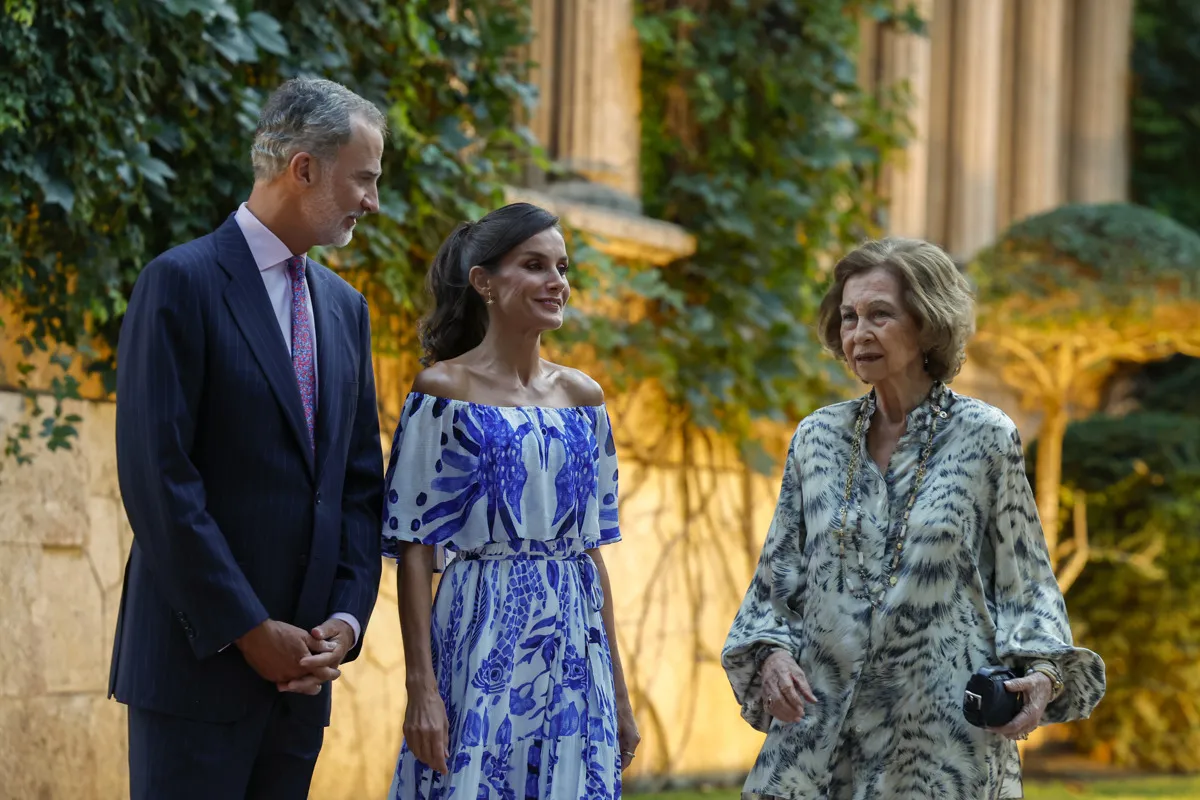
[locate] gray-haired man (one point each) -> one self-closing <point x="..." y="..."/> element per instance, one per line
<point x="250" y="465"/>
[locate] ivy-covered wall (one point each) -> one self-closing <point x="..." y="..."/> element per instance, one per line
<point x="124" y="129"/>
<point x="758" y="138"/>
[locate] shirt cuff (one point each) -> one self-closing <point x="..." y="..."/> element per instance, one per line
<point x="352" y="622"/>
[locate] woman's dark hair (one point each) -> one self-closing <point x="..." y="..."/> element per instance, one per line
<point x="459" y="318"/>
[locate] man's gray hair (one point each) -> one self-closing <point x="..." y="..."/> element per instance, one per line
<point x="307" y="115"/>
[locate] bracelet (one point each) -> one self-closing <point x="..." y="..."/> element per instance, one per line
<point x="1048" y="669"/>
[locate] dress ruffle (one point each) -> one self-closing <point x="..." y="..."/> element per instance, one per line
<point x="463" y="475"/>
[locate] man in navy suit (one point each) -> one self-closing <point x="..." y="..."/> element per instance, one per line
<point x="250" y="464"/>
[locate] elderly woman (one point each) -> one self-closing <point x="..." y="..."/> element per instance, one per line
<point x="905" y="554"/>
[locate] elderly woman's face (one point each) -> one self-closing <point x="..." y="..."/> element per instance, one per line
<point x="880" y="338"/>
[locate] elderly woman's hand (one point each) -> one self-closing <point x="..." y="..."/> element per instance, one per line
<point x="1038" y="690"/>
<point x="785" y="688"/>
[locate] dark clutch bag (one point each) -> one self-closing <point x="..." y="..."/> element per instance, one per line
<point x="986" y="703"/>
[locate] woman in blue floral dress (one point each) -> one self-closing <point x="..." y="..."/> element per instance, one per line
<point x="503" y="475"/>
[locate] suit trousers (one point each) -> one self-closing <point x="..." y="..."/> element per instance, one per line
<point x="266" y="755"/>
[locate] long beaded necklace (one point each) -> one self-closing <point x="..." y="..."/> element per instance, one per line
<point x="889" y="576"/>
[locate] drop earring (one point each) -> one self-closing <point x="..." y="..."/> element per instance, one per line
<point x="491" y="301"/>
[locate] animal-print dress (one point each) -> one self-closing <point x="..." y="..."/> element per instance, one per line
<point x="973" y="587"/>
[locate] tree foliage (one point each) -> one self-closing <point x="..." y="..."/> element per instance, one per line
<point x="125" y="128"/>
<point x="1171" y="386"/>
<point x="1081" y="261"/>
<point x="1165" y="109"/>
<point x="1141" y="476"/>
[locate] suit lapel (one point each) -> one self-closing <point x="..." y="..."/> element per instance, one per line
<point x="327" y="320"/>
<point x="247" y="299"/>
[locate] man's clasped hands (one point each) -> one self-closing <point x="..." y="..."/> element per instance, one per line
<point x="296" y="660"/>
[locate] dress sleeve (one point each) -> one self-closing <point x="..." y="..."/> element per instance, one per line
<point x="1031" y="615"/>
<point x="406" y="497"/>
<point x="606" y="479"/>
<point x="763" y="623"/>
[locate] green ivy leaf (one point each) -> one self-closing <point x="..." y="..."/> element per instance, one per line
<point x="234" y="45"/>
<point x="59" y="193"/>
<point x="155" y="171"/>
<point x="266" y="32"/>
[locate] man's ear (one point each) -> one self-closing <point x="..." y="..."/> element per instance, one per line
<point x="303" y="169"/>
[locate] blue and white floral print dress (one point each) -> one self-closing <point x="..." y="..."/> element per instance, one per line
<point x="512" y="497"/>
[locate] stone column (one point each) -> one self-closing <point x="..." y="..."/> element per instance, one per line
<point x="598" y="96"/>
<point x="1008" y="82"/>
<point x="941" y="38"/>
<point x="908" y="58"/>
<point x="543" y="52"/>
<point x="1067" y="112"/>
<point x="975" y="125"/>
<point x="868" y="53"/>
<point x="1037" y="107"/>
<point x="1100" y="121"/>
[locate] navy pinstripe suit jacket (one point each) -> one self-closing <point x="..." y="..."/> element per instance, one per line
<point x="234" y="518"/>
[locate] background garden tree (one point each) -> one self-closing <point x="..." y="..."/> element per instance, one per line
<point x="1141" y="475"/>
<point x="1064" y="297"/>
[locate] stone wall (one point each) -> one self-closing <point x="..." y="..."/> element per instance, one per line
<point x="678" y="577"/>
<point x="63" y="543"/>
<point x="692" y="517"/>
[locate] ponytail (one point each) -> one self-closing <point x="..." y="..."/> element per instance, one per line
<point x="459" y="319"/>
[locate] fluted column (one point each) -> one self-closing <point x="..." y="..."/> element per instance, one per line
<point x="1100" y="121"/>
<point x="941" y="36"/>
<point x="542" y="51"/>
<point x="1037" y="107"/>
<point x="975" y="125"/>
<point x="1008" y="81"/>
<point x="544" y="55"/>
<point x="907" y="58"/>
<point x="599" y="92"/>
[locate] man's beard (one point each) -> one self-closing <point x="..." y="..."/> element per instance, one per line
<point x="328" y="221"/>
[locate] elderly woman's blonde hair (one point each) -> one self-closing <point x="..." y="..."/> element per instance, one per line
<point x="933" y="289"/>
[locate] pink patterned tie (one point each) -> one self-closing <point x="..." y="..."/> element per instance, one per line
<point x="302" y="344"/>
